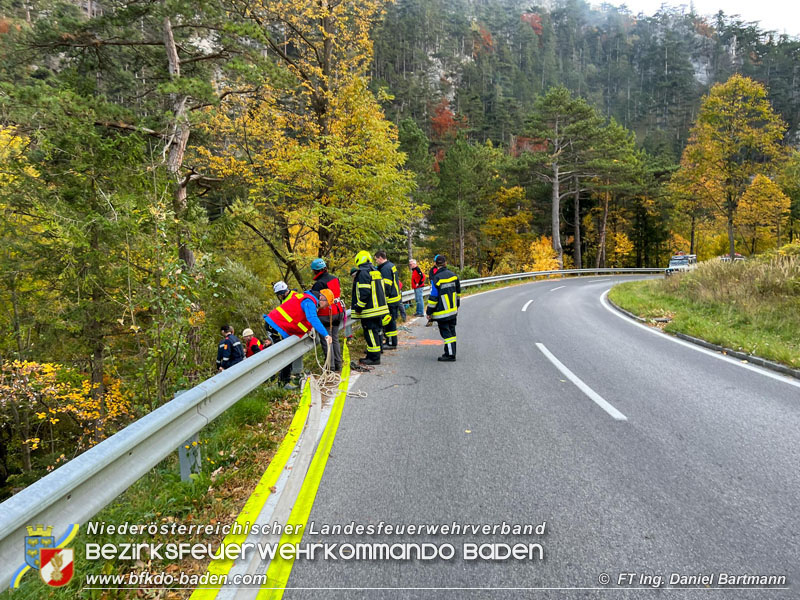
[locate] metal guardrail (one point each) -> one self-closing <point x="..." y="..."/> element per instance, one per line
<point x="78" y="490"/>
<point x="409" y="295"/>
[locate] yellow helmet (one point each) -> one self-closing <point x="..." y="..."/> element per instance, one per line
<point x="363" y="257"/>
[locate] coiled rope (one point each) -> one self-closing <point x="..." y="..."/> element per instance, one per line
<point x="328" y="380"/>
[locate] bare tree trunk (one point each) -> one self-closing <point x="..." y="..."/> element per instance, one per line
<point x="731" y="241"/>
<point x="577" y="239"/>
<point x="94" y="335"/>
<point x="409" y="240"/>
<point x="177" y="147"/>
<point x="12" y="284"/>
<point x="322" y="109"/>
<point x="555" y="217"/>
<point x="179" y="139"/>
<point x="691" y="240"/>
<point x="23" y="427"/>
<point x="460" y="237"/>
<point x="601" y="250"/>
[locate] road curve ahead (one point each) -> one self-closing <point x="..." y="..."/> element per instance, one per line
<point x="643" y="457"/>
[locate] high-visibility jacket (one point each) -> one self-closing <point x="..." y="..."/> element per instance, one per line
<point x="253" y="347"/>
<point x="391" y="286"/>
<point x="290" y="316"/>
<point x="445" y="296"/>
<point x="369" y="299"/>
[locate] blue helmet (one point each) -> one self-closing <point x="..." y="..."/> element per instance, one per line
<point x="318" y="264"/>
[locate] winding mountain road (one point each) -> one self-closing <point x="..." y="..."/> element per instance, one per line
<point x="642" y="454"/>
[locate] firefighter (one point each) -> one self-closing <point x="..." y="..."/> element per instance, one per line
<point x="296" y="315"/>
<point x="391" y="287"/>
<point x="229" y="351"/>
<point x="333" y="315"/>
<point x="443" y="303"/>
<point x="369" y="305"/>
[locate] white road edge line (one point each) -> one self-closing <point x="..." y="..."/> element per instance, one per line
<point x="665" y="336"/>
<point x="598" y="399"/>
<point x="527" y="304"/>
<point x="558" y="288"/>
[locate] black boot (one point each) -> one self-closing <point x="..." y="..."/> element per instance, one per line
<point x="447" y="357"/>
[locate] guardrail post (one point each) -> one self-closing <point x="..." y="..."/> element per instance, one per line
<point x="189" y="453"/>
<point x="297" y="366"/>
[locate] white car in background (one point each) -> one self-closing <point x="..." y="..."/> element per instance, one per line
<point x="680" y="263"/>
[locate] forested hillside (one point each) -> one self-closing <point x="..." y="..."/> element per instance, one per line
<point x="163" y="163"/>
<point x="492" y="58"/>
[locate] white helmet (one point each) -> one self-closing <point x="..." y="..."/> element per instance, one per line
<point x="280" y="287"/>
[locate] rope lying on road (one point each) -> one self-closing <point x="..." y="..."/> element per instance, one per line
<point x="329" y="380"/>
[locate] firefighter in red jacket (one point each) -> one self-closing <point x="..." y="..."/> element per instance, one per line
<point x="332" y="316"/>
<point x="296" y="315"/>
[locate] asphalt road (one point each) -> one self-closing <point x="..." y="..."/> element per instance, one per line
<point x="692" y="467"/>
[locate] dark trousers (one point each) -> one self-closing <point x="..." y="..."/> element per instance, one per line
<point x="285" y="375"/>
<point x="336" y="349"/>
<point x="447" y="329"/>
<point x="372" y="335"/>
<point x="390" y="331"/>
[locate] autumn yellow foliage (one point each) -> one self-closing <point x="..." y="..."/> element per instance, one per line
<point x="54" y="410"/>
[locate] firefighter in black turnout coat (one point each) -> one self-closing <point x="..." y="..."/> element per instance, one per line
<point x="369" y="305"/>
<point x="391" y="288"/>
<point x="443" y="303"/>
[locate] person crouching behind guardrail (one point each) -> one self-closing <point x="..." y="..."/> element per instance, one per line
<point x="252" y="345"/>
<point x="443" y="303"/>
<point x="296" y="315"/>
<point x="229" y="351"/>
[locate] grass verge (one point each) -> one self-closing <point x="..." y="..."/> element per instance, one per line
<point x="236" y="449"/>
<point x="753" y="307"/>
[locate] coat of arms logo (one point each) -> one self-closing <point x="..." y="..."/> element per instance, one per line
<point x="38" y="537"/>
<point x="48" y="555"/>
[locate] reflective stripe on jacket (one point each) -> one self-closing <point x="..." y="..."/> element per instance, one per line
<point x="290" y="317"/>
<point x="229" y="352"/>
<point x="369" y="299"/>
<point x="390" y="284"/>
<point x="445" y="296"/>
<point x="253" y="347"/>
